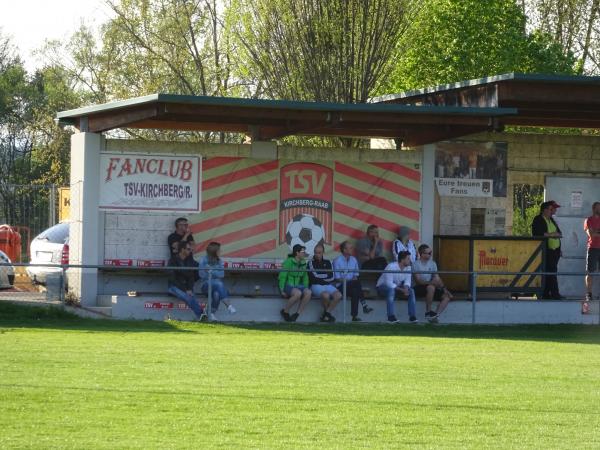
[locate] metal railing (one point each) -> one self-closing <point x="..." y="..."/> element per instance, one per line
<point x="473" y="277"/>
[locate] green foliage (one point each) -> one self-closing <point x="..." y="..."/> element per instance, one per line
<point x="526" y="201"/>
<point x="32" y="148"/>
<point x="542" y="54"/>
<point x="335" y="51"/>
<point x="154" y="46"/>
<point x="572" y="26"/>
<point x="15" y="90"/>
<point x="81" y="383"/>
<point x="150" y="46"/>
<point x="17" y="97"/>
<point x="454" y="40"/>
<point x="51" y="150"/>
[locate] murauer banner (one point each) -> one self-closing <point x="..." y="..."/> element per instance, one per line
<point x="150" y="182"/>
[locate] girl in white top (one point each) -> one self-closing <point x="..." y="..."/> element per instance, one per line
<point x="404" y="244"/>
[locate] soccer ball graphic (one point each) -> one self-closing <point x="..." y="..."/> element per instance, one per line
<point x="305" y="230"/>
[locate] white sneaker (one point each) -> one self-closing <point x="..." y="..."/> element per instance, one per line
<point x="231" y="309"/>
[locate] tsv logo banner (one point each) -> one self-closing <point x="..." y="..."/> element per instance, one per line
<point x="305" y="204"/>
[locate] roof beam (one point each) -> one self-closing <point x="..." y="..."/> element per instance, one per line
<point x="121" y="119"/>
<point x="540" y="93"/>
<point x="188" y="126"/>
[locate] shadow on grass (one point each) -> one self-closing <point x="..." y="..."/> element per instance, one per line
<point x="51" y="317"/>
<point x="567" y="333"/>
<point x="20" y="316"/>
<point x="269" y="399"/>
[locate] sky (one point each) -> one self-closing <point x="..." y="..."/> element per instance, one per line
<point x="30" y="22"/>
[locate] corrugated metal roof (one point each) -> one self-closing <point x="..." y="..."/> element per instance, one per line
<point x="538" y="78"/>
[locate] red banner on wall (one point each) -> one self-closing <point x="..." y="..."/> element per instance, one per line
<point x="306" y="194"/>
<point x="258" y="209"/>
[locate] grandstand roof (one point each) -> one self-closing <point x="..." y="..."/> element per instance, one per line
<point x="271" y="119"/>
<point x="415" y="117"/>
<point x="541" y="100"/>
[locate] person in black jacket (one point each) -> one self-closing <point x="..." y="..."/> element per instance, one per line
<point x="544" y="225"/>
<point x="182" y="279"/>
<point x="182" y="233"/>
<point x="321" y="279"/>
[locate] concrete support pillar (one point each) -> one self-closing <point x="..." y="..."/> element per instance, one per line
<point x="85" y="230"/>
<point x="427" y="194"/>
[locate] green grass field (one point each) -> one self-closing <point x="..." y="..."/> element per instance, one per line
<point x="76" y="383"/>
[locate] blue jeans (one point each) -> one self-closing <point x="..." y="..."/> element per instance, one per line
<point x="189" y="300"/>
<point x="390" y="295"/>
<point x="219" y="292"/>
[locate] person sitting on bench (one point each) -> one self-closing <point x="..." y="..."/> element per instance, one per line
<point x="321" y="283"/>
<point x="346" y="267"/>
<point x="293" y="283"/>
<point x="404" y="244"/>
<point x="394" y="281"/>
<point x="182" y="233"/>
<point x="369" y="250"/>
<point x="182" y="279"/>
<point x="213" y="264"/>
<point x="430" y="285"/>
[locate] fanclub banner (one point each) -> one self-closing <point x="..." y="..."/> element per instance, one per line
<point x="150" y="182"/>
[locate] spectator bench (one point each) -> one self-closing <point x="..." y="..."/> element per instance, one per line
<point x="263" y="304"/>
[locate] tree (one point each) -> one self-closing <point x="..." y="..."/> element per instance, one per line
<point x="15" y="114"/>
<point x="33" y="150"/>
<point x="152" y="46"/>
<point x="337" y="51"/>
<point x="50" y="144"/>
<point x="573" y="25"/>
<point x="527" y="199"/>
<point x="453" y="40"/>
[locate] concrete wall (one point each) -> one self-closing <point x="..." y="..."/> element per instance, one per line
<point x="143" y="234"/>
<point x="97" y="236"/>
<point x="140" y="234"/>
<point x="501" y="312"/>
<point x="282" y="152"/>
<point x="531" y="157"/>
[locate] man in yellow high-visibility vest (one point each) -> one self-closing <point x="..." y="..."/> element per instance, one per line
<point x="544" y="225"/>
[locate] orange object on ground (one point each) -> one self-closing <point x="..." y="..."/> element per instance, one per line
<point x="10" y="242"/>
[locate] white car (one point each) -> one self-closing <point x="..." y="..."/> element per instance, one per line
<point x="49" y="247"/>
<point x="7" y="273"/>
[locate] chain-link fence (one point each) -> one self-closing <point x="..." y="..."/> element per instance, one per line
<point x="29" y="210"/>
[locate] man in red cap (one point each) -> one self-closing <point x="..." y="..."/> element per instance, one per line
<point x="544" y="225"/>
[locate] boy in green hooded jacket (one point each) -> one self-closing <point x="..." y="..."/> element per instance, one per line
<point x="294" y="285"/>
